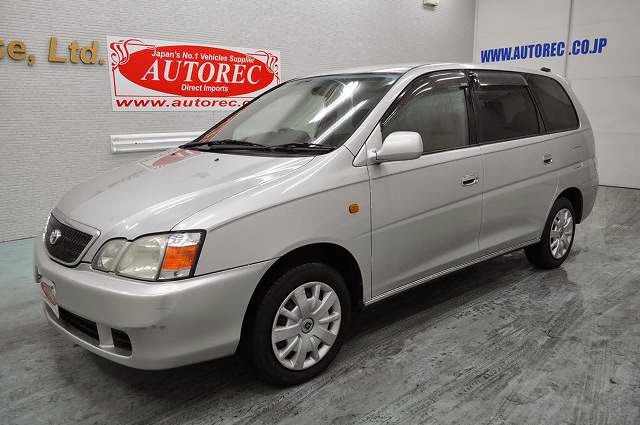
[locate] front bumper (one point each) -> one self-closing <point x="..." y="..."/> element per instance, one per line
<point x="169" y="324"/>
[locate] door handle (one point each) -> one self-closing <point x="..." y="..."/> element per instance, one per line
<point x="547" y="158"/>
<point x="469" y="180"/>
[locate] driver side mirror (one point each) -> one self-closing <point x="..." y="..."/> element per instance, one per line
<point x="400" y="146"/>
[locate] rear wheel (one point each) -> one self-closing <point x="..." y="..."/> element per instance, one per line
<point x="300" y="324"/>
<point x="557" y="237"/>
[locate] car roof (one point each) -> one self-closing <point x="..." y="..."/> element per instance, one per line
<point x="392" y="68"/>
<point x="402" y="68"/>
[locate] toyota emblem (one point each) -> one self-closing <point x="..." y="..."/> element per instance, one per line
<point x="54" y="236"/>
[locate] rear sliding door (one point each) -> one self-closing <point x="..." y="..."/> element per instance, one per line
<point x="519" y="178"/>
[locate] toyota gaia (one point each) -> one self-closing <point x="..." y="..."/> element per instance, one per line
<point x="326" y="194"/>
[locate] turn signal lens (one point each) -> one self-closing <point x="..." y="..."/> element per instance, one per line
<point x="180" y="255"/>
<point x="178" y="258"/>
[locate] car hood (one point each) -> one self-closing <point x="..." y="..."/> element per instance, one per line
<point x="154" y="194"/>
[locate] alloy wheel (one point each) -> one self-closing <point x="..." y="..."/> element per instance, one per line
<point x="561" y="233"/>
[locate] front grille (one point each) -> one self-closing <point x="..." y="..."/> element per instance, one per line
<point x="85" y="326"/>
<point x="70" y="244"/>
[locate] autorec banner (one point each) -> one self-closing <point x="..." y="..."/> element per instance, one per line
<point x="155" y="75"/>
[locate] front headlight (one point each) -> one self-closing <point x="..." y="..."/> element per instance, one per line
<point x="143" y="258"/>
<point x="106" y="258"/>
<point x="155" y="257"/>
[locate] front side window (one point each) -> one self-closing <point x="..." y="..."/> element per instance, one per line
<point x="504" y="112"/>
<point x="556" y="107"/>
<point x="436" y="108"/>
<point x="308" y="115"/>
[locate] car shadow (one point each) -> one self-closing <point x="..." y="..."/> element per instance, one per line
<point x="230" y="378"/>
<point x="462" y="286"/>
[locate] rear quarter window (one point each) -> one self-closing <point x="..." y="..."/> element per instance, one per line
<point x="558" y="112"/>
<point x="504" y="112"/>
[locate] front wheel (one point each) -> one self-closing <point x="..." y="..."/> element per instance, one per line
<point x="300" y="324"/>
<point x="557" y="237"/>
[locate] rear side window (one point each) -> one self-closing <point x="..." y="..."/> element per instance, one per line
<point x="435" y="107"/>
<point x="557" y="110"/>
<point x="504" y="112"/>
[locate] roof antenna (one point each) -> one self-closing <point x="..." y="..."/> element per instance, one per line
<point x="545" y="69"/>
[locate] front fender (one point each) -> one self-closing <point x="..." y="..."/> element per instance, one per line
<point x="309" y="207"/>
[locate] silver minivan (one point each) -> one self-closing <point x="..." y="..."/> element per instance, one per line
<point x="323" y="195"/>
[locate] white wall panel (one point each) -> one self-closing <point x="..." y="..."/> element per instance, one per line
<point x="612" y="104"/>
<point x="609" y="85"/>
<point x="611" y="13"/>
<point x="614" y="167"/>
<point x="620" y="58"/>
<point x="496" y="40"/>
<point x="57" y="118"/>
<point x="502" y="23"/>
<point x="509" y="17"/>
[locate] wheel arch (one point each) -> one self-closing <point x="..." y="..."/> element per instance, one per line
<point x="574" y="195"/>
<point x="331" y="254"/>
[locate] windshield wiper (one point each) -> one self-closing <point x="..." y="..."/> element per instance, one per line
<point x="231" y="144"/>
<point x="228" y="144"/>
<point x="304" y="146"/>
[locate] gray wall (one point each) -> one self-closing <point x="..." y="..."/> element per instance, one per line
<point x="56" y="118"/>
<point x="608" y="85"/>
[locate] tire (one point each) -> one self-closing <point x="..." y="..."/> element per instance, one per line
<point x="315" y="332"/>
<point x="549" y="254"/>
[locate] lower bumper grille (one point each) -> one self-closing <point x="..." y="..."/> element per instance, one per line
<point x="87" y="327"/>
<point x="121" y="339"/>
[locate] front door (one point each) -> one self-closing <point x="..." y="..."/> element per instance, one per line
<point x="426" y="213"/>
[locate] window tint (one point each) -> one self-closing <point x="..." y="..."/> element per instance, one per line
<point x="504" y="112"/>
<point x="557" y="110"/>
<point x="436" y="108"/>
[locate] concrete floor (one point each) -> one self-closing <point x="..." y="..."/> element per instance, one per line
<point x="499" y="343"/>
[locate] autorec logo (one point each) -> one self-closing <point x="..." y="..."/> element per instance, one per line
<point x="154" y="75"/>
<point x="594" y="46"/>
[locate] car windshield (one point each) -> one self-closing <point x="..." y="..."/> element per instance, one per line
<point x="312" y="114"/>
